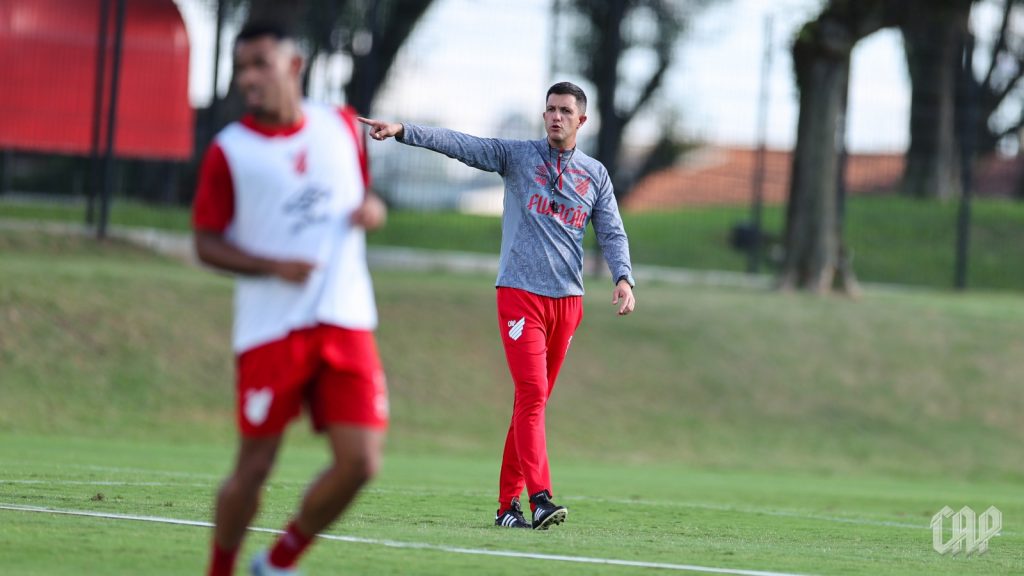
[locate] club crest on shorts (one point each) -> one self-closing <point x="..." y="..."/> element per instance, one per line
<point x="257" y="405"/>
<point x="515" y="328"/>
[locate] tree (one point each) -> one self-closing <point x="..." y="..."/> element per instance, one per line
<point x="816" y="257"/>
<point x="935" y="33"/>
<point x="369" y="31"/>
<point x="612" y="30"/>
<point x="933" y="39"/>
<point x="1001" y="81"/>
<point x="390" y="23"/>
<point x="932" y="165"/>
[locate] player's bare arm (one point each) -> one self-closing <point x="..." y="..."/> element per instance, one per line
<point x="371" y="214"/>
<point x="623" y="296"/>
<point x="214" y="250"/>
<point x="380" y="130"/>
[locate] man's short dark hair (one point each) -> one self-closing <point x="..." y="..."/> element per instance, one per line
<point x="260" y="28"/>
<point x="573" y="90"/>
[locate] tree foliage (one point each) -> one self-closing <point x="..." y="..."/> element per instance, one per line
<point x="612" y="33"/>
<point x="370" y="32"/>
<point x="935" y="32"/>
<point x="1001" y="118"/>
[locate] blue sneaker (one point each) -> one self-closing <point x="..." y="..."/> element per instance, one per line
<point x="260" y="566"/>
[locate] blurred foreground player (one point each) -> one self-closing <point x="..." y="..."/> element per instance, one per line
<point x="282" y="202"/>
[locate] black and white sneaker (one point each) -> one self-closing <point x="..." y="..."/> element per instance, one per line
<point x="545" y="512"/>
<point x="512" y="517"/>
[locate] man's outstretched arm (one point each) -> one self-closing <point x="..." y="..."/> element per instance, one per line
<point x="490" y="154"/>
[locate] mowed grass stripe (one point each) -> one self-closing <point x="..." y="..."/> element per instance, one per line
<point x="893" y="239"/>
<point x="699" y="517"/>
<point x="484" y="495"/>
<point x="414" y="545"/>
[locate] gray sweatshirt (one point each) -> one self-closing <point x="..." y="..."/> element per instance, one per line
<point x="550" y="195"/>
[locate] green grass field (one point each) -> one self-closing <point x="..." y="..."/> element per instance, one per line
<point x="893" y="239"/>
<point x="656" y="513"/>
<point x="720" y="428"/>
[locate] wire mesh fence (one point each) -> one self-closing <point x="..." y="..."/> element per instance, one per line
<point x="483" y="67"/>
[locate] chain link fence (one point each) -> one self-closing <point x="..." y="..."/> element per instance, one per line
<point x="729" y="97"/>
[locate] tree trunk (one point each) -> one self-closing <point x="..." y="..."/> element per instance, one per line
<point x="604" y="64"/>
<point x="813" y="241"/>
<point x="289" y="13"/>
<point x="390" y="23"/>
<point x="817" y="258"/>
<point x="934" y="41"/>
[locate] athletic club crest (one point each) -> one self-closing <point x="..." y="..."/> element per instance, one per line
<point x="300" y="162"/>
<point x="582" y="186"/>
<point x="540" y="175"/>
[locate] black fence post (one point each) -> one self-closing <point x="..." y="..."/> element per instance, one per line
<point x="842" y="160"/>
<point x="213" y="112"/>
<point x="6" y="158"/>
<point x="756" y="250"/>
<point x="968" y="111"/>
<point x="556" y="13"/>
<point x="97" y="114"/>
<point x="372" y="65"/>
<point x="109" y="153"/>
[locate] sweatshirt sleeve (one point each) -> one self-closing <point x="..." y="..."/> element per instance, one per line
<point x="611" y="234"/>
<point x="490" y="154"/>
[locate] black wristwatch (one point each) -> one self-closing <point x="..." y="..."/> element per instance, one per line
<point x="629" y="280"/>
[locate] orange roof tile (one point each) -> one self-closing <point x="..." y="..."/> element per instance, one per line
<point x="723" y="175"/>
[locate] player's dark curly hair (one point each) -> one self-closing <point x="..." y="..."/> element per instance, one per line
<point x="260" y="28"/>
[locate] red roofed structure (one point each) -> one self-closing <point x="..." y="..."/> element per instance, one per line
<point x="49" y="78"/>
<point x="718" y="175"/>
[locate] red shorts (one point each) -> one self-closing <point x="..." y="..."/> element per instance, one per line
<point x="334" y="372"/>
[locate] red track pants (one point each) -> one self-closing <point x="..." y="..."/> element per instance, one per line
<point x="536" y="331"/>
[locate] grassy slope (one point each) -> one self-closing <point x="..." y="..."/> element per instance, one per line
<point x="894" y="240"/>
<point x="732" y="429"/>
<point x="99" y="339"/>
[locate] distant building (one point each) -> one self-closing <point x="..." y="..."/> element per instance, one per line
<point x="724" y="175"/>
<point x="48" y="99"/>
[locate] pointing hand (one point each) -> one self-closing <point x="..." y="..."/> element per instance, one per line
<point x="380" y="130"/>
